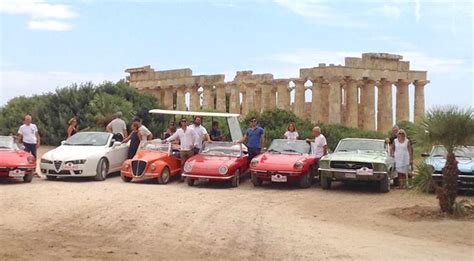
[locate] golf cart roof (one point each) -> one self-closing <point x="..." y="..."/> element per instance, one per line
<point x="195" y="113"/>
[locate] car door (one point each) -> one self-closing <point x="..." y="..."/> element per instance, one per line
<point x="116" y="155"/>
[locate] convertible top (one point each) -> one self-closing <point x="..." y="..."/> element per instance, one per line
<point x="194" y="113"/>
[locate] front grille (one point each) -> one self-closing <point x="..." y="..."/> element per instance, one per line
<point x="350" y="165"/>
<point x="63" y="172"/>
<point x="57" y="164"/>
<point x="138" y="167"/>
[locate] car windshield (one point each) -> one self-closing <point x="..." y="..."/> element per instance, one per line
<point x="156" y="145"/>
<point x="222" y="149"/>
<point x="460" y="152"/>
<point x="7" y="142"/>
<point x="361" y="145"/>
<point x="88" y="139"/>
<point x="289" y="146"/>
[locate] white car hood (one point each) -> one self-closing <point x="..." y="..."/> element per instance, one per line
<point x="66" y="152"/>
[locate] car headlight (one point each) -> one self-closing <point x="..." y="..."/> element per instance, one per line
<point x="152" y="167"/>
<point x="254" y="162"/>
<point x="75" y="162"/>
<point x="126" y="166"/>
<point x="299" y="164"/>
<point x="188" y="167"/>
<point x="324" y="164"/>
<point x="46" y="161"/>
<point x="379" y="167"/>
<point x="223" y="170"/>
<point x="31" y="159"/>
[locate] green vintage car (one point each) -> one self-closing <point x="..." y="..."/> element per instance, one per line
<point x="358" y="160"/>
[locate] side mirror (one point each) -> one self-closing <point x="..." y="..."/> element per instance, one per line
<point x="116" y="144"/>
<point x="425" y="155"/>
<point x="63" y="142"/>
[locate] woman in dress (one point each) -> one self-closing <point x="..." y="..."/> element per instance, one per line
<point x="134" y="139"/>
<point x="291" y="133"/>
<point x="402" y="152"/>
<point x="72" y="129"/>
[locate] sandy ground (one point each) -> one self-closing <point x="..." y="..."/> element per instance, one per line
<point x="113" y="220"/>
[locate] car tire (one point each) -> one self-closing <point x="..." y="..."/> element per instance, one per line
<point x="256" y="181"/>
<point x="305" y="180"/>
<point x="384" y="184"/>
<point x="102" y="170"/>
<point x="164" y="176"/>
<point x="125" y="178"/>
<point x="28" y="178"/>
<point x="190" y="181"/>
<point x="51" y="177"/>
<point x="325" y="183"/>
<point x="396" y="182"/>
<point x="235" y="180"/>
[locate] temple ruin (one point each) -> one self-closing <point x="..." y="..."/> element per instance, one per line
<point x="340" y="94"/>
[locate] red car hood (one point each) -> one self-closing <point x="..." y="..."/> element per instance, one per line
<point x="209" y="164"/>
<point x="149" y="156"/>
<point x="13" y="158"/>
<point x="277" y="162"/>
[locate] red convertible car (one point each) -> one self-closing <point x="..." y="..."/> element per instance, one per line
<point x="153" y="160"/>
<point x="15" y="163"/>
<point x="218" y="161"/>
<point x="285" y="161"/>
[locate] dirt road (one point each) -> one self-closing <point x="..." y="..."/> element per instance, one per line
<point x="113" y="220"/>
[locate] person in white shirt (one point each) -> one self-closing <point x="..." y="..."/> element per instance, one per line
<point x="143" y="132"/>
<point x="320" y="147"/>
<point x="28" y="133"/>
<point x="118" y="127"/>
<point x="291" y="133"/>
<point x="188" y="139"/>
<point x="201" y="132"/>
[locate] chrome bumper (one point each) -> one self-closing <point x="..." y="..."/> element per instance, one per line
<point x="350" y="171"/>
<point x="206" y="177"/>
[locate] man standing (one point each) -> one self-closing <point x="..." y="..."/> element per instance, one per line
<point x="255" y="138"/>
<point x="201" y="132"/>
<point x="143" y="132"/>
<point x="29" y="135"/>
<point x="320" y="147"/>
<point x="188" y="138"/>
<point x="118" y="127"/>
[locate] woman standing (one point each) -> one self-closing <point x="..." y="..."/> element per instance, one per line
<point x="291" y="133"/>
<point x="402" y="152"/>
<point x="134" y="139"/>
<point x="72" y="129"/>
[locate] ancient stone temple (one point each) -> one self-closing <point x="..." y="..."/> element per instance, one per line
<point x="356" y="94"/>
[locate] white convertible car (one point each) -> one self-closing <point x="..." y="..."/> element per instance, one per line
<point x="85" y="154"/>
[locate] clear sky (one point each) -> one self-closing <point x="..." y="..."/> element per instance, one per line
<point x="50" y="44"/>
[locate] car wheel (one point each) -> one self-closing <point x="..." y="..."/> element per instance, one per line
<point x="325" y="183"/>
<point x="51" y="177"/>
<point x="164" y="176"/>
<point x="235" y="181"/>
<point x="102" y="170"/>
<point x="28" y="178"/>
<point x="256" y="181"/>
<point x="305" y="180"/>
<point x="384" y="184"/>
<point x="190" y="181"/>
<point x="125" y="178"/>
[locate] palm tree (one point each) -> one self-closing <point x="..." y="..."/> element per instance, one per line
<point x="451" y="127"/>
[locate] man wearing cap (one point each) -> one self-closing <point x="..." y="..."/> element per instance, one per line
<point x="118" y="127"/>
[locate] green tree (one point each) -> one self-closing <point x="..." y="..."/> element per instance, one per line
<point x="451" y="127"/>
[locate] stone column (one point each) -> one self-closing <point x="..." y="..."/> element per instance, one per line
<point x="334" y="115"/>
<point x="419" y="100"/>
<point x="220" y="98"/>
<point x="316" y="103"/>
<point x="234" y="99"/>
<point x="168" y="98"/>
<point x="272" y="99"/>
<point x="258" y="98"/>
<point x="208" y="97"/>
<point x="194" y="99"/>
<point x="403" y="106"/>
<point x="266" y="96"/>
<point x="351" y="110"/>
<point x="249" y="98"/>
<point x="283" y="95"/>
<point x="324" y="99"/>
<point x="384" y="105"/>
<point x="367" y="104"/>
<point x="299" y="106"/>
<point x="180" y="98"/>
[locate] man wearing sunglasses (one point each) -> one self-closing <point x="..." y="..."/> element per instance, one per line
<point x="255" y="138"/>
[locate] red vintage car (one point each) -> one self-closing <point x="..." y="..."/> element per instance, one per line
<point x="218" y="161"/>
<point x="15" y="163"/>
<point x="153" y="160"/>
<point x="285" y="161"/>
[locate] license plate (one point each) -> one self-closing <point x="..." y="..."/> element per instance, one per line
<point x="350" y="175"/>
<point x="70" y="166"/>
<point x="365" y="172"/>
<point x="279" y="178"/>
<point x="204" y="180"/>
<point x="16" y="173"/>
